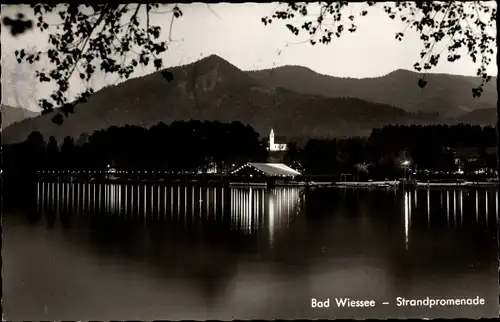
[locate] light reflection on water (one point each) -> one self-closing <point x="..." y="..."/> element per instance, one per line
<point x="250" y="253"/>
<point x="247" y="206"/>
<point x="250" y="209"/>
<point x="451" y="206"/>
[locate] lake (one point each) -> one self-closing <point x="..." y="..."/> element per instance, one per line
<point x="75" y="251"/>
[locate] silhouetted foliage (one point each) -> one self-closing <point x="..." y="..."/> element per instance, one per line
<point x="35" y="141"/>
<point x="380" y="156"/>
<point x="68" y="150"/>
<point x="455" y="25"/>
<point x="52" y="154"/>
<point x="92" y="36"/>
<point x="450" y="23"/>
<point x="194" y="147"/>
<point x="181" y="147"/>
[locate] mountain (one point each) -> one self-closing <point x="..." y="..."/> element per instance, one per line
<point x="213" y="89"/>
<point x="487" y="116"/>
<point x="449" y="95"/>
<point x="10" y="115"/>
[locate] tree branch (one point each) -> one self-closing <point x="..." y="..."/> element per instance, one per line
<point x="98" y="22"/>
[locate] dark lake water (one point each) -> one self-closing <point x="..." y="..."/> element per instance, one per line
<point x="146" y="252"/>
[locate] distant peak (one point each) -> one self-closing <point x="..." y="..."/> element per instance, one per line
<point x="285" y="67"/>
<point x="401" y="71"/>
<point x="213" y="58"/>
<point x="214" y="61"/>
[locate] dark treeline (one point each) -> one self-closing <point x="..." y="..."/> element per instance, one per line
<point x="462" y="135"/>
<point x="179" y="147"/>
<point x="433" y="148"/>
<point x="195" y="147"/>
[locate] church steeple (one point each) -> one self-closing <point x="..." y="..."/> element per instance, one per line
<point x="275" y="149"/>
<point x="271" y="138"/>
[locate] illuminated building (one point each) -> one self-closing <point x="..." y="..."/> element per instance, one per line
<point x="273" y="146"/>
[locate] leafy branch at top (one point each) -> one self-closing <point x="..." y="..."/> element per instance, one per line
<point x="456" y="24"/>
<point x="114" y="38"/>
<point x="90" y="37"/>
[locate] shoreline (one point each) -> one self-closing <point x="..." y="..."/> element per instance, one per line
<point x="418" y="184"/>
<point x="277" y="182"/>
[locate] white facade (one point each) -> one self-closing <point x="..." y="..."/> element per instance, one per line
<point x="275" y="146"/>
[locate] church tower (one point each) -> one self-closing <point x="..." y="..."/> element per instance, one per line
<point x="271" y="140"/>
<point x="273" y="146"/>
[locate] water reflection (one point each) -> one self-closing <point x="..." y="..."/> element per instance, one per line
<point x="448" y="207"/>
<point x="477" y="207"/>
<point x="428" y="207"/>
<point x="247" y="252"/>
<point x="250" y="209"/>
<point x="454" y="206"/>
<point x="451" y="205"/>
<point x="461" y="207"/>
<point x="496" y="206"/>
<point x="486" y="209"/>
<point x="407" y="219"/>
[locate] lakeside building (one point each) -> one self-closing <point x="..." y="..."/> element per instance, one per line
<point x="276" y="151"/>
<point x="273" y="146"/>
<point x="256" y="170"/>
<point x="473" y="158"/>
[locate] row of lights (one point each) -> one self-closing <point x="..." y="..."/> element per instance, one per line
<point x="258" y="170"/>
<point x="406" y="163"/>
<point x="459" y="171"/>
<point x="111" y="171"/>
<point x="240" y="168"/>
<point x="101" y="171"/>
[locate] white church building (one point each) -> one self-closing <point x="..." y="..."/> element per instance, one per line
<point x="273" y="146"/>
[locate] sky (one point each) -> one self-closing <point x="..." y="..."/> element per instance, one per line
<point x="235" y="32"/>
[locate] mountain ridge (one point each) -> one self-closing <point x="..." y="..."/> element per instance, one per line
<point x="10" y="115"/>
<point x="486" y="116"/>
<point x="449" y="95"/>
<point x="213" y="89"/>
